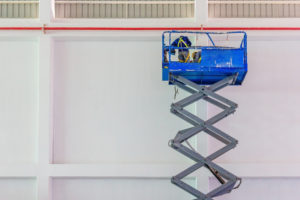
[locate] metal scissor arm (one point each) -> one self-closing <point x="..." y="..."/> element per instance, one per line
<point x="207" y="93"/>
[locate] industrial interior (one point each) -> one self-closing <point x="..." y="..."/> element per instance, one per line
<point x="149" y="99"/>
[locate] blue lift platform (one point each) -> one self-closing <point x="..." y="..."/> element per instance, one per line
<point x="202" y="70"/>
<point x="217" y="62"/>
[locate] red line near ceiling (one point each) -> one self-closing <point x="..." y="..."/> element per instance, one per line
<point x="21" y="28"/>
<point x="153" y="28"/>
<point x="171" y="28"/>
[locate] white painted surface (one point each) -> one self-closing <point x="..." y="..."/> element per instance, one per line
<point x="45" y="142"/>
<point x="18" y="100"/>
<point x="16" y="189"/>
<point x="114" y="189"/>
<point x="267" y="120"/>
<point x="116" y="170"/>
<point x="267" y="189"/>
<point x="110" y="105"/>
<point x="89" y="146"/>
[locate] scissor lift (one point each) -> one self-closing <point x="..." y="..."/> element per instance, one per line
<point x="220" y="66"/>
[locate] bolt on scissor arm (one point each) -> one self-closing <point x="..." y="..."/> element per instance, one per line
<point x="207" y="93"/>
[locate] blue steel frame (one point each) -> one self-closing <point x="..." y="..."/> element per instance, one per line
<point x="218" y="62"/>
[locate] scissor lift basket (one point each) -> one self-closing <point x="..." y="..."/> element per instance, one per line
<point x="217" y="61"/>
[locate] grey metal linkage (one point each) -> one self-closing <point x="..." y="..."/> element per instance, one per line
<point x="207" y="93"/>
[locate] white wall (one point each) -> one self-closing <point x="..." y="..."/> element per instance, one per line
<point x="18" y="188"/>
<point x="267" y="189"/>
<point x="110" y="105"/>
<point x="267" y="118"/>
<point x="83" y="115"/>
<point x="86" y="113"/>
<point x="19" y="116"/>
<point x="266" y="122"/>
<point x="117" y="189"/>
<point x="18" y="102"/>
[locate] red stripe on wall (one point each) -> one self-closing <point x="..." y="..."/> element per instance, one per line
<point x="154" y="28"/>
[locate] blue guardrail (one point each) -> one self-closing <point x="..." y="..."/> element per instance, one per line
<point x="213" y="63"/>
